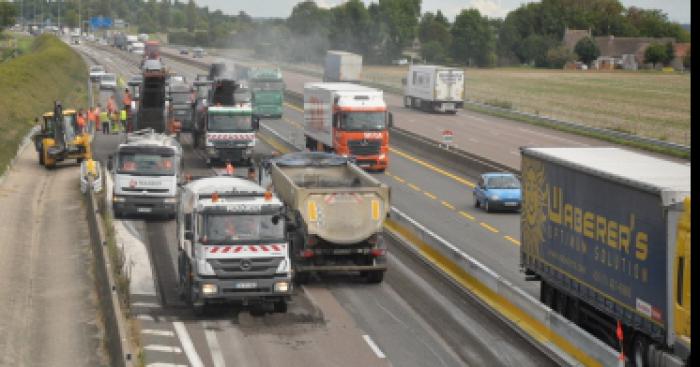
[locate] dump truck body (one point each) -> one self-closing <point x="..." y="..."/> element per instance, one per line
<point x="337" y="210"/>
<point x="600" y="228"/>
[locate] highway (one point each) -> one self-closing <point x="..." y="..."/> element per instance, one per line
<point x="414" y="318"/>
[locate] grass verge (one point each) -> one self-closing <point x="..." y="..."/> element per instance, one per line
<point x="29" y="84"/>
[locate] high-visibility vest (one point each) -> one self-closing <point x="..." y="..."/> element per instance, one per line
<point x="91" y="116"/>
<point x="104" y="116"/>
<point x="123" y="115"/>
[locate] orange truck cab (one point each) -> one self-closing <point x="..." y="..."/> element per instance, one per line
<point x="350" y="120"/>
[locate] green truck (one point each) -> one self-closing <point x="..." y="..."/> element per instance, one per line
<point x="267" y="89"/>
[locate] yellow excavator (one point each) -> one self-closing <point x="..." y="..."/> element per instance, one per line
<point x="60" y="138"/>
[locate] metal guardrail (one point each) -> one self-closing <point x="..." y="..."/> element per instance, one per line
<point x="116" y="329"/>
<point x="564" y="329"/>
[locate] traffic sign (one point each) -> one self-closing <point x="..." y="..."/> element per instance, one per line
<point x="100" y="22"/>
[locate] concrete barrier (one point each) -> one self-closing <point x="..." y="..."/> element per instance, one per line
<point x="116" y="328"/>
<point x="561" y="339"/>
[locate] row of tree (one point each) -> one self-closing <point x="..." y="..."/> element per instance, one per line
<point x="531" y="34"/>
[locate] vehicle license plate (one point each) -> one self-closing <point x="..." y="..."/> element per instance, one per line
<point x="246" y="285"/>
<point x="144" y="210"/>
<point x="342" y="251"/>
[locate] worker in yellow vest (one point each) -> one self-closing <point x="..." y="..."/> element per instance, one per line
<point x="123" y="116"/>
<point x="104" y="119"/>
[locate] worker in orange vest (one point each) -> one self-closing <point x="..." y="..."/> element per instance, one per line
<point x="81" y="121"/>
<point x="111" y="105"/>
<point x="92" y="120"/>
<point x="126" y="100"/>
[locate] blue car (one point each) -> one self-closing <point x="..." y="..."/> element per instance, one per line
<point x="498" y="191"/>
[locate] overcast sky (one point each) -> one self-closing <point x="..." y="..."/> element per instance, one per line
<point x="677" y="10"/>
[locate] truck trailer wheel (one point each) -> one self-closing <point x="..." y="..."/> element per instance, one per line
<point x="375" y="277"/>
<point x="280" y="306"/>
<point x="640" y="351"/>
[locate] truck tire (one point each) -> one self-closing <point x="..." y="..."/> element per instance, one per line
<point x="546" y="294"/>
<point x="301" y="278"/>
<point x="375" y="277"/>
<point x="407" y="101"/>
<point x="640" y="351"/>
<point x="280" y="306"/>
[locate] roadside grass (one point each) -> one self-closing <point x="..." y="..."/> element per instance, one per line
<point x="646" y="103"/>
<point x="29" y="84"/>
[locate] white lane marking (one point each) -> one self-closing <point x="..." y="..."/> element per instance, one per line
<point x="186" y="342"/>
<point x="163" y="348"/>
<point x="158" y="332"/>
<point x="373" y="346"/>
<point x="161" y="364"/>
<point x="144" y="317"/>
<point x="145" y="305"/>
<point x="214" y="346"/>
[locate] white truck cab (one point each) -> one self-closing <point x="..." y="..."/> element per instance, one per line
<point x="232" y="245"/>
<point x="146" y="171"/>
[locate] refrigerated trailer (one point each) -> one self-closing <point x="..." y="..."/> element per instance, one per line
<point x="607" y="232"/>
<point x="434" y="88"/>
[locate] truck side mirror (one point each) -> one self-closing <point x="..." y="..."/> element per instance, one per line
<point x="391" y="120"/>
<point x="110" y="163"/>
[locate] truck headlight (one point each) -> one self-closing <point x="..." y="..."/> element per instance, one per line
<point x="211" y="150"/>
<point x="382" y="157"/>
<point x="209" y="289"/>
<point x="170" y="200"/>
<point x="118" y="199"/>
<point x="281" y="287"/>
<point x="494" y="197"/>
<point x="283" y="267"/>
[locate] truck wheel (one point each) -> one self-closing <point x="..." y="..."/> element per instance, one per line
<point x="198" y="310"/>
<point x="375" y="277"/>
<point x="640" y="351"/>
<point x="302" y="278"/>
<point x="561" y="303"/>
<point x="547" y="294"/>
<point x="407" y="102"/>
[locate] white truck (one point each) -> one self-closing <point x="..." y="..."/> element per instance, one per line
<point x="232" y="245"/>
<point x="138" y="48"/>
<point x="145" y="173"/>
<point x="348" y="119"/>
<point x="130" y="40"/>
<point x="434" y="88"/>
<point x="342" y="66"/>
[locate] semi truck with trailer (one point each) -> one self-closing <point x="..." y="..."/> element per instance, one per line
<point x="335" y="213"/>
<point x="434" y="88"/>
<point x="350" y="120"/>
<point x="146" y="170"/>
<point x="342" y="66"/>
<point x="224" y="124"/>
<point x="232" y="245"/>
<point x="267" y="88"/>
<point x="607" y="233"/>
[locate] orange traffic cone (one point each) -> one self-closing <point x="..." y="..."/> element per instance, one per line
<point x="229" y="169"/>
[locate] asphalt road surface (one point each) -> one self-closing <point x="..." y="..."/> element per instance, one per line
<point x="49" y="306"/>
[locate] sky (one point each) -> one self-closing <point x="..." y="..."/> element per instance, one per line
<point x="677" y="10"/>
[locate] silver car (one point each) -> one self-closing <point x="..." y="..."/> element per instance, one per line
<point x="96" y="72"/>
<point x="108" y="81"/>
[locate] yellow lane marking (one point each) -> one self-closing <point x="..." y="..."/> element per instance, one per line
<point x="530" y="325"/>
<point x="466" y="215"/>
<point x="511" y="239"/>
<point x="414" y="187"/>
<point x="294" y="107"/>
<point x="433" y="168"/>
<point x="494" y="230"/>
<point x="397" y="178"/>
<point x="430" y="195"/>
<point x="448" y="205"/>
<point x="388" y="174"/>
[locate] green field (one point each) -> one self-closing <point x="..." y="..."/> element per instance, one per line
<point x="652" y="104"/>
<point x="29" y="84"/>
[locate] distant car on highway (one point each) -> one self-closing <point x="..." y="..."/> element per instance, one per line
<point x="198" y="52"/>
<point x="108" y="81"/>
<point x="498" y="190"/>
<point x="96" y="72"/>
<point x="400" y="62"/>
<point x="183" y="51"/>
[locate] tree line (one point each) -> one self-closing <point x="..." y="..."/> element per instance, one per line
<point x="381" y="31"/>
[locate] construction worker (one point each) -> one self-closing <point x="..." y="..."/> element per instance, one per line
<point x="92" y="120"/>
<point x="111" y="105"/>
<point x="97" y="116"/>
<point x="81" y="121"/>
<point x="114" y="120"/>
<point x="104" y="119"/>
<point x="122" y="117"/>
<point x="126" y="100"/>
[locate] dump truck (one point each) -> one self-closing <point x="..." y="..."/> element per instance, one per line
<point x="232" y="245"/>
<point x="267" y="89"/>
<point x="146" y="171"/>
<point x="434" y="88"/>
<point x="607" y="233"/>
<point x="151" y="50"/>
<point x="350" y="120"/>
<point x="60" y="138"/>
<point x="342" y="66"/>
<point x="335" y="213"/>
<point x="180" y="98"/>
<point x="225" y="126"/>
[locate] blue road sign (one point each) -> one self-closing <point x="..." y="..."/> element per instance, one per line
<point x="100" y="22"/>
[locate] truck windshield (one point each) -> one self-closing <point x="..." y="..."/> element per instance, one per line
<point x="362" y="121"/>
<point x="258" y="85"/>
<point x="242" y="227"/>
<point x="224" y="123"/>
<point x="146" y="164"/>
